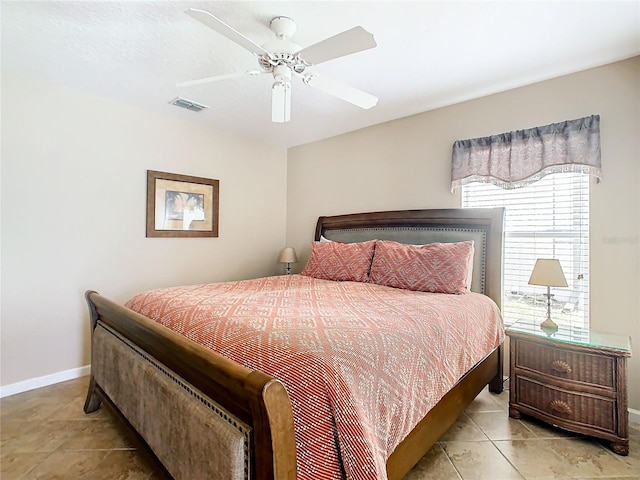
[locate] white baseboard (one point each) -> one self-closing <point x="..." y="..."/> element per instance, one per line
<point x="38" y="382"/>
<point x="634" y="416"/>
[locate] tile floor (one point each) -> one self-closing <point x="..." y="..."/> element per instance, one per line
<point x="45" y="435"/>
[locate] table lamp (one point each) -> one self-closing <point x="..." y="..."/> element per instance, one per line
<point x="288" y="256"/>
<point x="548" y="272"/>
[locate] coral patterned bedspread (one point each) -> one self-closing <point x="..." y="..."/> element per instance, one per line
<point x="362" y="363"/>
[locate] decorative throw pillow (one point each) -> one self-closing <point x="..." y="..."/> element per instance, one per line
<point x="340" y="261"/>
<point x="435" y="267"/>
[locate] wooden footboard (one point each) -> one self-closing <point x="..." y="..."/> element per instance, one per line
<point x="239" y="395"/>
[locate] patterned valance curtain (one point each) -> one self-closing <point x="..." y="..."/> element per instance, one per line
<point x="516" y="159"/>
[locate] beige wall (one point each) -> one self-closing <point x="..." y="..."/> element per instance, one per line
<point x="406" y="164"/>
<point x="73" y="215"/>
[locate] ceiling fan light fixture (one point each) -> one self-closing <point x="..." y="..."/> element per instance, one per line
<point x="282" y="74"/>
<point x="281" y="102"/>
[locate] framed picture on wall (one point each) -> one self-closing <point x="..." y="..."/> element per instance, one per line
<point x="181" y="205"/>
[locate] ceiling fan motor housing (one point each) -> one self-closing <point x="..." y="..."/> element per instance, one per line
<point x="283" y="50"/>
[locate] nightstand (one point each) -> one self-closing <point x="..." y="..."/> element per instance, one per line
<point x="575" y="380"/>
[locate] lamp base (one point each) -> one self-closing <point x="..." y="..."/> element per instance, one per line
<point x="549" y="326"/>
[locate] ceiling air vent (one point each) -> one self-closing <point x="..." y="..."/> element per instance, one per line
<point x="188" y="104"/>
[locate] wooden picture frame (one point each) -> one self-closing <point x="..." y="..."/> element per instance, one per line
<point x="181" y="205"/>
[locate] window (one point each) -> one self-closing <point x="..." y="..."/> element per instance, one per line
<point x="547" y="219"/>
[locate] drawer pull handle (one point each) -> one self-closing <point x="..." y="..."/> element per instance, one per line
<point x="560" y="366"/>
<point x="560" y="407"/>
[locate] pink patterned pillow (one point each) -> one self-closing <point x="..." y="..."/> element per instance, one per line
<point x="436" y="267"/>
<point x="340" y="261"/>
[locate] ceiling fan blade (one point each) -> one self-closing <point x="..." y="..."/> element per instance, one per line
<point x="281" y="102"/>
<point x="341" y="90"/>
<point x="216" y="78"/>
<point x="345" y="43"/>
<point x="222" y="28"/>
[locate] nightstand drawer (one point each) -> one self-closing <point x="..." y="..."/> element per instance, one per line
<point x="580" y="409"/>
<point x="567" y="364"/>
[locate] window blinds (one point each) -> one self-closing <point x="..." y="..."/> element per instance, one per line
<point x="547" y="219"/>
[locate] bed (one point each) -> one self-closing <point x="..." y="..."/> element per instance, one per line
<point x="204" y="415"/>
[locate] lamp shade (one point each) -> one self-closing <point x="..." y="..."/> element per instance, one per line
<point x="288" y="255"/>
<point x="548" y="272"/>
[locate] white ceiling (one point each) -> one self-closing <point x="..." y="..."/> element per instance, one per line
<point x="430" y="54"/>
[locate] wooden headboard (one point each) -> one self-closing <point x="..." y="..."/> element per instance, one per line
<point x="418" y="227"/>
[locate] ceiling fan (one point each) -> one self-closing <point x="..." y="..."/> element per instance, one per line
<point x="282" y="58"/>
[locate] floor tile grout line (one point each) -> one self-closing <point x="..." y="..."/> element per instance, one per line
<point x="536" y="437"/>
<point x="509" y="461"/>
<point x="573" y="439"/>
<point x="608" y="451"/>
<point x="460" y="477"/>
<point x="500" y="451"/>
<point x="524" y="424"/>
